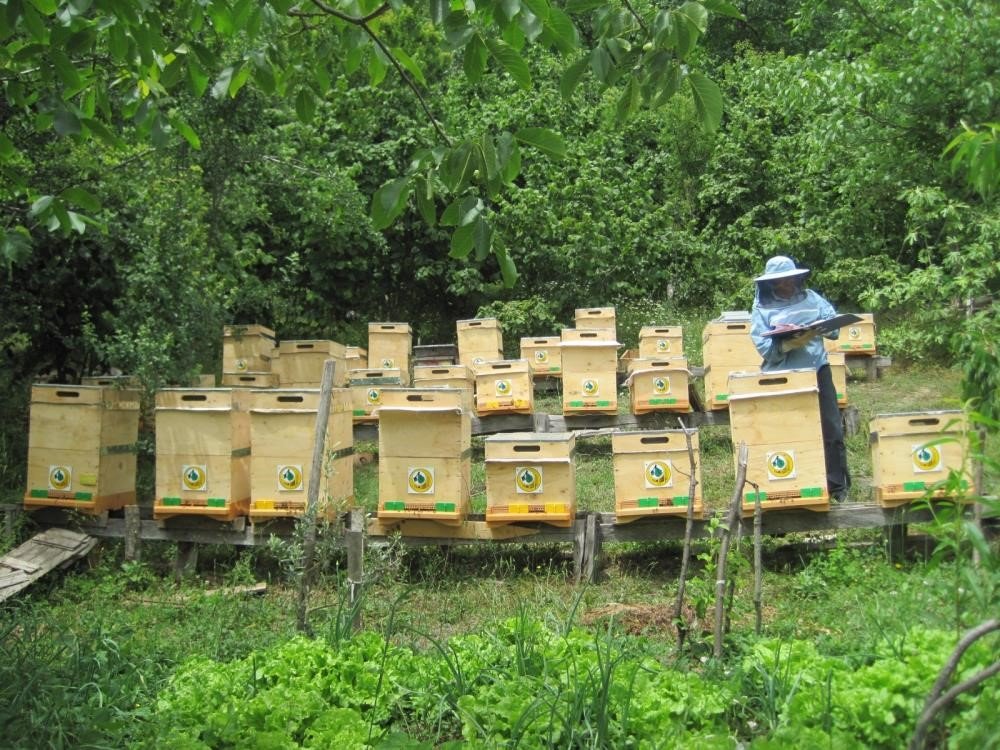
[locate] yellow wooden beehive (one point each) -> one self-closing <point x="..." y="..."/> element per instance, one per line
<point x="653" y="474"/>
<point x="544" y="354"/>
<point x="300" y="363"/>
<point x="202" y="453"/>
<point x="726" y="348"/>
<point x="425" y="454"/>
<point x="504" y="387"/>
<point x="659" y="385"/>
<point x="282" y="441"/>
<point x="443" y="376"/>
<point x="479" y="340"/>
<point x="249" y="380"/>
<point x="356" y="358"/>
<point x="111" y="381"/>
<point x="838" y="369"/>
<point x="660" y="342"/>
<point x="590" y="372"/>
<point x="389" y="348"/>
<point x="247" y="347"/>
<point x="530" y="476"/>
<point x="597" y="318"/>
<point x="913" y="452"/>
<point x="82" y="447"/>
<point x="786" y="455"/>
<point x="857" y="338"/>
<point x="366" y="391"/>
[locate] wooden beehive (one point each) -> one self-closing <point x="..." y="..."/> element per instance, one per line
<point x="913" y="452"/>
<point x="726" y="348"/>
<point x="111" y="381"/>
<point x="202" y="453"/>
<point x="544" y="354"/>
<point x="300" y="363"/>
<point x="530" y="476"/>
<point x="479" y="340"/>
<point x="82" y="447"/>
<point x="597" y="318"/>
<point x="777" y="415"/>
<point x="590" y="372"/>
<point x="366" y="391"/>
<point x="857" y="338"/>
<point x="653" y="474"/>
<point x="504" y="387"/>
<point x="355" y="358"/>
<point x="443" y="376"/>
<point x="249" y="380"/>
<point x="247" y="347"/>
<point x="425" y="453"/>
<point x="282" y="441"/>
<point x="659" y="385"/>
<point x="660" y="342"/>
<point x="389" y="348"/>
<point x="838" y="369"/>
<point x="627" y="360"/>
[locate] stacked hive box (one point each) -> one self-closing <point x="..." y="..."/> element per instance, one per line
<point x="597" y="319"/>
<point x="544" y="355"/>
<point x="202" y="453"/>
<point x="389" y="348"/>
<point x="81" y="447"/>
<point x="504" y="387"/>
<point x="479" y="341"/>
<point x="249" y="380"/>
<point x="282" y="441"/>
<point x="530" y="477"/>
<point x="661" y="342"/>
<point x="247" y="349"/>
<point x="777" y="415"/>
<point x="659" y="385"/>
<point x="425" y="447"/>
<point x="444" y="376"/>
<point x="355" y="358"/>
<point x="838" y="369"/>
<point x="590" y="371"/>
<point x="912" y="453"/>
<point x="366" y="391"/>
<point x="300" y="363"/>
<point x="857" y="338"/>
<point x="653" y="474"/>
<point x="726" y="348"/>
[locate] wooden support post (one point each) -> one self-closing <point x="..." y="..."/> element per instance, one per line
<point x="586" y="546"/>
<point x="355" y="540"/>
<point x="10" y="515"/>
<point x="133" y="533"/>
<point x="186" y="562"/>
<point x="871" y="369"/>
<point x="895" y="541"/>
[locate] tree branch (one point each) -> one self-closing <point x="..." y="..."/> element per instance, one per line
<point x="637" y="17"/>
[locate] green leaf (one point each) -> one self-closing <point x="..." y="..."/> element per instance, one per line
<point x="723" y="8"/>
<point x="117" y="42"/>
<point x="482" y="239"/>
<point x="197" y="77"/>
<point x="305" y="105"/>
<point x="239" y="80"/>
<point x="510" y="8"/>
<point x="66" y="123"/>
<point x="509" y="156"/>
<point x="563" y="31"/>
<point x="389" y="202"/>
<point x="81" y="197"/>
<point x="75" y="222"/>
<point x="423" y="188"/>
<point x="530" y="25"/>
<point x="474" y="60"/>
<point x="218" y="11"/>
<point x="7" y="149"/>
<point x="601" y="64"/>
<point x="511" y="61"/>
<point x="545" y="140"/>
<point x="470" y="209"/>
<point x="582" y="6"/>
<point x="457" y="31"/>
<point x="221" y="85"/>
<point x="449" y="218"/>
<point x="160" y="132"/>
<point x="628" y="102"/>
<point x="407" y="62"/>
<point x="377" y="68"/>
<point x="707" y="100"/>
<point x="187" y="132"/>
<point x="67" y="72"/>
<point x="540" y="8"/>
<point x="695" y="14"/>
<point x="571" y="77"/>
<point x="457" y="168"/>
<point x="16" y="246"/>
<point x="105" y="135"/>
<point x="41" y="205"/>
<point x="462" y="241"/>
<point x="507" y="268"/>
<point x="439" y="10"/>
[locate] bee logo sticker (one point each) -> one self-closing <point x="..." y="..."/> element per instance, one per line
<point x="289" y="477"/>
<point x="528" y="480"/>
<point x="241" y="365"/>
<point x="388" y="363"/>
<point x="374" y="396"/>
<point x="663" y="345"/>
<point x="502" y="387"/>
<point x="541" y="356"/>
<point x="420" y="481"/>
<point x="60" y="478"/>
<point x="194" y="478"/>
<point x="658" y="474"/>
<point x="661" y="385"/>
<point x="781" y="465"/>
<point x="926" y="458"/>
<point x="590" y="387"/>
<point x="854" y="332"/>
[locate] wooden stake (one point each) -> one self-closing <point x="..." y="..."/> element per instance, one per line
<point x="312" y="493"/>
<point x="679" y="621"/>
<point x="731" y="521"/>
<point x="355" y="563"/>
<point x="758" y="567"/>
<point x="133" y="533"/>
